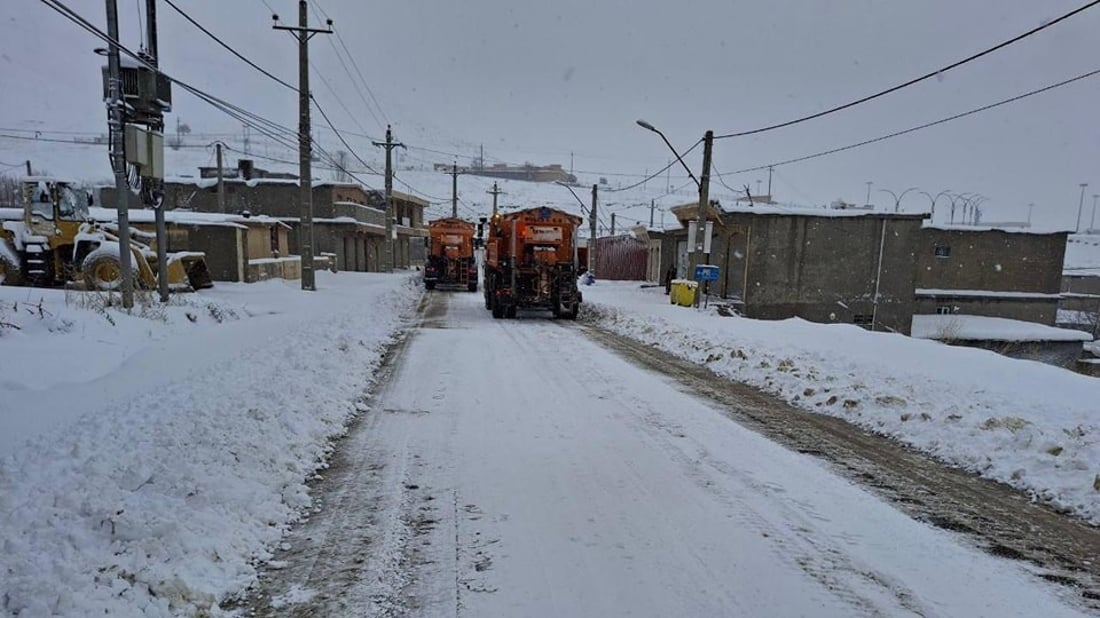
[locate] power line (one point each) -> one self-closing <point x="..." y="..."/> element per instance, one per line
<point x="355" y="64"/>
<point x="919" y="127"/>
<point x="266" y="127"/>
<point x="347" y="71"/>
<point x="227" y="46"/>
<point x="917" y="80"/>
<point x="662" y="170"/>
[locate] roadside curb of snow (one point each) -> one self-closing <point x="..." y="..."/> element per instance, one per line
<point x="1053" y="465"/>
<point x="163" y="510"/>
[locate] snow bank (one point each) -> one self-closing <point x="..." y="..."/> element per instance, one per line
<point x="177" y="449"/>
<point x="1027" y="424"/>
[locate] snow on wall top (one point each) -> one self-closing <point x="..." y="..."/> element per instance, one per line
<point x="806" y="211"/>
<point x="986" y="294"/>
<point x="1008" y="229"/>
<point x="1082" y="255"/>
<point x="982" y="328"/>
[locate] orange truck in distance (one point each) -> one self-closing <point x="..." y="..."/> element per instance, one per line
<point x="451" y="259"/>
<point x="531" y="262"/>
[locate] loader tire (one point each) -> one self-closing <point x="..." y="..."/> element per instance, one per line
<point x="9" y="273"/>
<point x="471" y="287"/>
<point x="498" y="311"/>
<point x="102" y="271"/>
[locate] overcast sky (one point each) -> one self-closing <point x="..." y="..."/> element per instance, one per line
<point x="536" y="81"/>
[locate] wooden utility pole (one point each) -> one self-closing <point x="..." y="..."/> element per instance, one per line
<point x="303" y="33"/>
<point x="454" y="190"/>
<point x="221" y="178"/>
<point x="29" y="168"/>
<point x="652" y="205"/>
<point x="389" y="250"/>
<point x="612" y="224"/>
<point x="770" y="170"/>
<point x="592" y="230"/>
<point x="495" y="192"/>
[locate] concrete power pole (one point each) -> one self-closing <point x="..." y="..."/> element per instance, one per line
<point x="454" y="190"/>
<point x="1081" y="206"/>
<point x="495" y="192"/>
<point x="389" y="250"/>
<point x="221" y="178"/>
<point x="29" y="168"/>
<point x="117" y="124"/>
<point x="652" y="205"/>
<point x="697" y="255"/>
<point x="770" y="170"/>
<point x="612" y="224"/>
<point x="1092" y="223"/>
<point x="303" y="33"/>
<point x="592" y="230"/>
<point x="156" y="193"/>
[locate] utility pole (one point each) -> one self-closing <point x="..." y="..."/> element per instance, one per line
<point x="697" y="256"/>
<point x="652" y="205"/>
<point x="868" y="202"/>
<point x="495" y="192"/>
<point x="770" y="170"/>
<point x="1092" y="223"/>
<point x="221" y="178"/>
<point x="1081" y="205"/>
<point x="303" y="33"/>
<point x="117" y="124"/>
<point x="1029" y="208"/>
<point x="29" y="168"/>
<point x="454" y="190"/>
<point x="592" y="230"/>
<point x="156" y="194"/>
<point x="389" y="249"/>
<point x="612" y="224"/>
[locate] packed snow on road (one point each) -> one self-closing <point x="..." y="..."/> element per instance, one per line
<point x="1030" y="425"/>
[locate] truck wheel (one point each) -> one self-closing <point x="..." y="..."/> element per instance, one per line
<point x="471" y="287"/>
<point x="510" y="313"/>
<point x="102" y="272"/>
<point x="498" y="311"/>
<point x="573" y="311"/>
<point x="429" y="285"/>
<point x="488" y="303"/>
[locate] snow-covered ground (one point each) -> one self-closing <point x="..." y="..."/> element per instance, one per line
<point x="147" y="461"/>
<point x="522" y="469"/>
<point x="1028" y="424"/>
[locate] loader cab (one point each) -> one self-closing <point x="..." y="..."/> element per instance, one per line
<point x="54" y="201"/>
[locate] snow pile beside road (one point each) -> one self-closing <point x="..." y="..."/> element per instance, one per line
<point x="164" y="476"/>
<point x="1028" y="424"/>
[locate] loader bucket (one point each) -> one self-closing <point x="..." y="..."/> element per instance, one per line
<point x="195" y="271"/>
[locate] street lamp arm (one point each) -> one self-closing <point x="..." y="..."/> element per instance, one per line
<point x="649" y="127"/>
<point x="584" y="209"/>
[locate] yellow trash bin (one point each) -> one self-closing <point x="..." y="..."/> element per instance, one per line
<point x="683" y="292"/>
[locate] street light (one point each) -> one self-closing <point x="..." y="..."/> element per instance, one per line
<point x="701" y="250"/>
<point x="975" y="212"/>
<point x="898" y="198"/>
<point x="946" y="192"/>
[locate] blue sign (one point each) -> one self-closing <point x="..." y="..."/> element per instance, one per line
<point x="705" y="272"/>
<point x="544" y="213"/>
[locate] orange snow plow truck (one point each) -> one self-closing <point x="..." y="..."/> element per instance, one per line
<point x="531" y="262"/>
<point x="451" y="258"/>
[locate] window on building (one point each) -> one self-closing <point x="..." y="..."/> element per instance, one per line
<point x="944" y="310"/>
<point x="863" y="319"/>
<point x="943" y="251"/>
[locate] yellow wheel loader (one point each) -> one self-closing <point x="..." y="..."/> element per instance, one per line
<point x="56" y="242"/>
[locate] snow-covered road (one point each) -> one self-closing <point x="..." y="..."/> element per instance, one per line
<point x="516" y="468"/>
